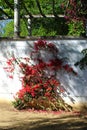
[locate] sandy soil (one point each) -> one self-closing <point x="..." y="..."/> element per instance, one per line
<point x="12" y="119"/>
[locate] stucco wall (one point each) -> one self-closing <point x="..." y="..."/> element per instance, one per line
<point x="75" y="86"/>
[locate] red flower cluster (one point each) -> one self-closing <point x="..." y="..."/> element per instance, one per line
<point x="37" y="81"/>
<point x="69" y="69"/>
<point x="10" y="67"/>
<point x="76" y="10"/>
<point x="41" y="44"/>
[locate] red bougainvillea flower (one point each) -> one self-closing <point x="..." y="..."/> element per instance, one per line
<point x="9" y="62"/>
<point x="37" y="87"/>
<point x="21" y="93"/>
<point x="47" y="94"/>
<point x="33" y="93"/>
<point x="69" y="69"/>
<point x="55" y="64"/>
<point x="49" y="89"/>
<point x="11" y="76"/>
<point x="39" y="44"/>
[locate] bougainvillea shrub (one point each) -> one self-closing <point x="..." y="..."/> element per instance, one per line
<point x="76" y="14"/>
<point x="39" y="80"/>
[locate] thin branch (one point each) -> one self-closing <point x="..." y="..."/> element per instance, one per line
<point x="67" y="5"/>
<point x="39" y="7"/>
<point x="53" y="5"/>
<point x="9" y="4"/>
<point x="5" y="13"/>
<point x="27" y="10"/>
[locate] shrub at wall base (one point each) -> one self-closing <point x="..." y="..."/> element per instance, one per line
<point x="41" y="88"/>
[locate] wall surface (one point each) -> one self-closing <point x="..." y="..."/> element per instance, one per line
<point x="75" y="86"/>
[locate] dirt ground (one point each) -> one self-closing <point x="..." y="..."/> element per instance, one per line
<point x="12" y="119"/>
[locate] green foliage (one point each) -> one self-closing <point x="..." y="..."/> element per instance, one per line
<point x="40" y="27"/>
<point x="9" y="30"/>
<point x="31" y="6"/>
<point x="41" y="31"/>
<point x="46" y="6"/>
<point x="76" y="16"/>
<point x="23" y="29"/>
<point x="83" y="62"/>
<point x="49" y="27"/>
<point x="76" y="28"/>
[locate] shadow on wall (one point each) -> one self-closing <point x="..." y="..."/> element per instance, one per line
<point x="75" y="86"/>
<point x="9" y="87"/>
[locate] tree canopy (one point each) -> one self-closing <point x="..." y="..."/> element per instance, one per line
<point x="30" y="7"/>
<point x="75" y="11"/>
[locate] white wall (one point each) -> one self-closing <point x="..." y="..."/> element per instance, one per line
<point x="75" y="86"/>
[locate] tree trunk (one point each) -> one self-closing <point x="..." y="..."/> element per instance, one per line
<point x="16" y="19"/>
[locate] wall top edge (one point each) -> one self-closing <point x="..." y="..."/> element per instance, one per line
<point x="42" y="37"/>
